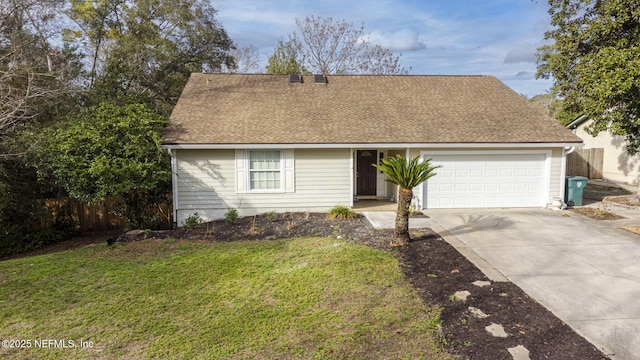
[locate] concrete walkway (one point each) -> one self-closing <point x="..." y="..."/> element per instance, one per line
<point x="387" y="220"/>
<point x="587" y="272"/>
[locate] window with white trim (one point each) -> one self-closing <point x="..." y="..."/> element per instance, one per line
<point x="265" y="170"/>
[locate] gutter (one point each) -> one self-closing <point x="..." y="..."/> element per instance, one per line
<point x="575" y="123"/>
<point x="183" y="146"/>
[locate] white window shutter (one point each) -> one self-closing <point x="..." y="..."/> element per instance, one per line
<point x="241" y="171"/>
<point x="289" y="171"/>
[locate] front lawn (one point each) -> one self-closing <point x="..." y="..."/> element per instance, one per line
<point x="295" y="298"/>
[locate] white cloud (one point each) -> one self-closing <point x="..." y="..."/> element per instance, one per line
<point x="403" y="40"/>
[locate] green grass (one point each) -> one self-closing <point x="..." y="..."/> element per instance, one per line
<point x="299" y="298"/>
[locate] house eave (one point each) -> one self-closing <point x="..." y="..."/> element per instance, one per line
<point x="368" y="145"/>
<point x="577" y="122"/>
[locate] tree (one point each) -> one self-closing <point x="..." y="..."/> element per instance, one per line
<point x="246" y="60"/>
<point x="97" y="23"/>
<point x="144" y="51"/>
<point x="110" y="151"/>
<point x="595" y="64"/>
<point x="552" y="106"/>
<point x="407" y="174"/>
<point x="38" y="83"/>
<point x="285" y="59"/>
<point x="35" y="72"/>
<point x="327" y="47"/>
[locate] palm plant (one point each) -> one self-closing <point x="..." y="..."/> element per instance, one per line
<point x="407" y="174"/>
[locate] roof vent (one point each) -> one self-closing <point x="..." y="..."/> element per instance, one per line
<point x="319" y="79"/>
<point x="295" y="78"/>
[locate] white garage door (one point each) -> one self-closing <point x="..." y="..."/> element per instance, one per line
<point x="487" y="180"/>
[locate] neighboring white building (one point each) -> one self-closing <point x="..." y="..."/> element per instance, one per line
<point x="617" y="164"/>
<point x="261" y="143"/>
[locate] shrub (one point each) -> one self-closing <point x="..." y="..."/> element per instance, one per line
<point x="231" y="216"/>
<point x="192" y="221"/>
<point x="271" y="216"/>
<point x="340" y="212"/>
<point x="25" y="222"/>
<point x="23" y="231"/>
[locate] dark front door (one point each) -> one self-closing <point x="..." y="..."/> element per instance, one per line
<point x="366" y="173"/>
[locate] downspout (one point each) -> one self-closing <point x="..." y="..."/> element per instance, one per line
<point x="352" y="179"/>
<point x="174" y="186"/>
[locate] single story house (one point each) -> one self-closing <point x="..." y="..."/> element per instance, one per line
<point x="259" y="143"/>
<point x="617" y="165"/>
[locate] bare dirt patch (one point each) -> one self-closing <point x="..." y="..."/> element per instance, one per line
<point x="599" y="191"/>
<point x="631" y="201"/>
<point x="597" y="213"/>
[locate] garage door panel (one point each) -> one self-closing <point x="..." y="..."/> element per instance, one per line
<point x="506" y="173"/>
<point x="523" y="187"/>
<point x="477" y="173"/>
<point x="506" y="187"/>
<point x="445" y="173"/>
<point x="444" y="187"/>
<point x="490" y="187"/>
<point x="486" y="180"/>
<point x="461" y="187"/>
<point x="535" y="172"/>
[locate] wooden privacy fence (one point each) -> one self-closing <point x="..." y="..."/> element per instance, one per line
<point x="586" y="162"/>
<point x="100" y="217"/>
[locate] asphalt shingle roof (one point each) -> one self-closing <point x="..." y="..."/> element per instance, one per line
<point x="356" y="109"/>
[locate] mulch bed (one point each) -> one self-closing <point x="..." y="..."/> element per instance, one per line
<point x="435" y="269"/>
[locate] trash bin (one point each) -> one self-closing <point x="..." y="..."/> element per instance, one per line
<point x="574" y="190"/>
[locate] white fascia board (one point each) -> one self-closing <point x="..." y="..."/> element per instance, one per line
<point x="368" y="145"/>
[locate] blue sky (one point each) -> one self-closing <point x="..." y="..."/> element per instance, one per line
<point x="488" y="37"/>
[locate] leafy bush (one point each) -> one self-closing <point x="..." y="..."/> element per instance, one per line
<point x="110" y="151"/>
<point x="30" y="226"/>
<point x="192" y="221"/>
<point x="25" y="223"/>
<point x="340" y="212"/>
<point x="231" y="216"/>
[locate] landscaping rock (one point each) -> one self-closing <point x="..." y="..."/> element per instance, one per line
<point x="477" y="313"/>
<point x="462" y="295"/>
<point x="481" y="283"/>
<point x="496" y="330"/>
<point x="519" y="353"/>
<point x="134" y="233"/>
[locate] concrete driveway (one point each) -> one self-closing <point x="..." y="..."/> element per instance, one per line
<point x="587" y="272"/>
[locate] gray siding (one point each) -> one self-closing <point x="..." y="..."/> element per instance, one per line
<point x="557" y="179"/>
<point x="206" y="184"/>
